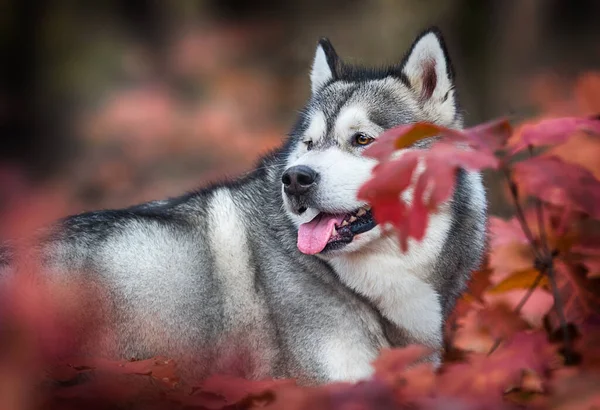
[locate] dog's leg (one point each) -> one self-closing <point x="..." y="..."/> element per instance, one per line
<point x="347" y="360"/>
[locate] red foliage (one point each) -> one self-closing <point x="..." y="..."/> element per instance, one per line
<point x="434" y="185"/>
<point x="525" y="334"/>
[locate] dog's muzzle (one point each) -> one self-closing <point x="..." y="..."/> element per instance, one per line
<point x="298" y="183"/>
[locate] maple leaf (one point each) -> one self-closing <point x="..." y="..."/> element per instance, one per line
<point x="479" y="283"/>
<point x="500" y="320"/>
<point x="470" y="336"/>
<point x="560" y="183"/>
<point x="484" y="379"/>
<point x="392" y="363"/>
<point x="550" y="131"/>
<point x="511" y="249"/>
<point x="433" y="187"/>
<point x="580" y="295"/>
<point x="219" y="391"/>
<point x="486" y="325"/>
<point x="582" y="149"/>
<point x="487" y="137"/>
<point x="522" y="279"/>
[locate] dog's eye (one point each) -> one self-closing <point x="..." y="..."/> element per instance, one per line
<point x="361" y="139"/>
<point x="309" y="145"/>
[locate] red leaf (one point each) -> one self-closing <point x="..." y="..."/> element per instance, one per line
<point x="479" y="283"/>
<point x="501" y="321"/>
<point x="560" y="183"/>
<point x="551" y="131"/>
<point x="222" y="391"/>
<point x="490" y="136"/>
<point x="582" y="149"/>
<point x="400" y="137"/>
<point x="487" y="137"/>
<point x="433" y="186"/>
<point x="485" y="378"/>
<point x="391" y="363"/>
<point x="580" y="295"/>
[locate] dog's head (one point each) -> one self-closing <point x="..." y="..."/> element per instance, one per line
<point x="349" y="107"/>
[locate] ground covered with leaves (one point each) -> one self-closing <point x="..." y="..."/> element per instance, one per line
<point x="525" y="335"/>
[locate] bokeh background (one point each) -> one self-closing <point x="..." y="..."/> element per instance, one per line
<point x="119" y="101"/>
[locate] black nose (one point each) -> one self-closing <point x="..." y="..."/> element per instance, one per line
<point x="298" y="180"/>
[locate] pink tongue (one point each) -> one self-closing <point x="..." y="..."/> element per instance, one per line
<point x="314" y="235"/>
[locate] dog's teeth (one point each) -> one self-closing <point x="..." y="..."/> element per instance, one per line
<point x="333" y="231"/>
<point x="361" y="212"/>
<point x="344" y="223"/>
<point x="367" y="208"/>
<point x="352" y="218"/>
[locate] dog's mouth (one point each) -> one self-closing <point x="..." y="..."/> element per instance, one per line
<point x="333" y="231"/>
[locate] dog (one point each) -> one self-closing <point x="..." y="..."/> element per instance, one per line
<point x="283" y="272"/>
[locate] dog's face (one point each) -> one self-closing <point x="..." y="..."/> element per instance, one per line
<point x="349" y="108"/>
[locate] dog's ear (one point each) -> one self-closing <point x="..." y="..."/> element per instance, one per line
<point x="324" y="68"/>
<point x="429" y="73"/>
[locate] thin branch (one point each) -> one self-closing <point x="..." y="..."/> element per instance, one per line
<point x="518" y="308"/>
<point x="540" y="219"/>
<point x="520" y="214"/>
<point x="546" y="262"/>
<point x="533" y="286"/>
<point x="558" y="305"/>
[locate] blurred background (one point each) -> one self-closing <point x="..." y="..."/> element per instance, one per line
<point x="122" y="101"/>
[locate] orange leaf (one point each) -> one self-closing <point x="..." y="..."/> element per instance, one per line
<point x="522" y="279"/>
<point x="416" y="133"/>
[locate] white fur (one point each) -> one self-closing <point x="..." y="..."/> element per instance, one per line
<point x="397" y="282"/>
<point x="353" y="119"/>
<point x="231" y="258"/>
<point x="317" y="128"/>
<point x="341" y="174"/>
<point x="475" y="181"/>
<point x="151" y="264"/>
<point x="320" y="73"/>
<point x="230" y="249"/>
<point x="345" y="360"/>
<point x="426" y="52"/>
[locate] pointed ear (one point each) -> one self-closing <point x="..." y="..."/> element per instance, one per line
<point x="428" y="69"/>
<point x="324" y="68"/>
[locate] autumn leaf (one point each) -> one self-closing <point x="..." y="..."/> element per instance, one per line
<point x="550" y="131"/>
<point x="392" y="363"/>
<point x="220" y="391"/>
<point x="560" y="183"/>
<point x="470" y="336"/>
<point x="501" y="321"/>
<point x="511" y="249"/>
<point x="484" y="379"/>
<point x="486" y="325"/>
<point x="487" y="137"/>
<point x="582" y="149"/>
<point x="580" y="295"/>
<point x="433" y="186"/>
<point x="522" y="279"/>
<point x="479" y="283"/>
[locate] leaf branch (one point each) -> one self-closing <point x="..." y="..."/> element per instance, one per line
<point x="544" y="259"/>
<point x="518" y="308"/>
